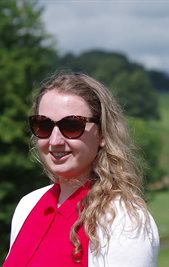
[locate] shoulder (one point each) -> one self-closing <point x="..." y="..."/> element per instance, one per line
<point x="136" y="222"/>
<point x="29" y="201"/>
<point x="34" y="196"/>
<point x="23" y="209"/>
<point x="133" y="238"/>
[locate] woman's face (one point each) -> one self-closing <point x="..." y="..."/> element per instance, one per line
<point x="68" y="158"/>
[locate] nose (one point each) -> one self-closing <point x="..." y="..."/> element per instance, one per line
<point x="56" y="137"/>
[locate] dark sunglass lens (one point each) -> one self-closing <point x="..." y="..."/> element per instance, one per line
<point x="72" y="127"/>
<point x="41" y="126"/>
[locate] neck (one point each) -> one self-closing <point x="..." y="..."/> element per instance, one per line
<point x="68" y="187"/>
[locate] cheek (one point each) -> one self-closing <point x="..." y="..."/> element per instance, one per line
<point x="93" y="139"/>
<point x="91" y="144"/>
<point x="43" y="146"/>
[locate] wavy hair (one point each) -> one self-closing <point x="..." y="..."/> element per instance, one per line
<point x="116" y="171"/>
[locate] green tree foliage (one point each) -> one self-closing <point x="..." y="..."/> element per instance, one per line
<point x="102" y="65"/>
<point x="129" y="81"/>
<point x="160" y="80"/>
<point x="136" y="94"/>
<point x="148" y="141"/>
<point x="26" y="54"/>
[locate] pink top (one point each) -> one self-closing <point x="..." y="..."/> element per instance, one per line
<point x="44" y="239"/>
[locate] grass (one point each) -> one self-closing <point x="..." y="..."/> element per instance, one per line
<point x="159" y="207"/>
<point x="163" y="260"/>
<point x="159" y="201"/>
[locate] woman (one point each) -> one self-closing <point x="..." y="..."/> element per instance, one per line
<point x="93" y="213"/>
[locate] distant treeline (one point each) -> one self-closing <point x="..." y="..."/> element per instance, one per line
<point x="105" y="66"/>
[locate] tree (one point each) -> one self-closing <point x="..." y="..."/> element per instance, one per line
<point x="160" y="80"/>
<point x="128" y="80"/>
<point x="26" y="55"/>
<point x="148" y="140"/>
<point x="136" y="94"/>
<point x="102" y="65"/>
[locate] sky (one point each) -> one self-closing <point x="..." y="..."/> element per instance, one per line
<point x="138" y="29"/>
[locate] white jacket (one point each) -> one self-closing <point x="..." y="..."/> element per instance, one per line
<point x="128" y="246"/>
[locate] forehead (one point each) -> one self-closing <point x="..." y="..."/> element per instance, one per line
<point x="63" y="104"/>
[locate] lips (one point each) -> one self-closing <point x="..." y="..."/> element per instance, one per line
<point x="60" y="154"/>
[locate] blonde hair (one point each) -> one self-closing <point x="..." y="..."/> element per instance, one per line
<point x="115" y="171"/>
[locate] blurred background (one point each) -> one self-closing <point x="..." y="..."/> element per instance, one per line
<point x="123" y="44"/>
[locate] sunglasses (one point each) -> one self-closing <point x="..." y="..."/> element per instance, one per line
<point x="71" y="127"/>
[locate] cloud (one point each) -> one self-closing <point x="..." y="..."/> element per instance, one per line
<point x="150" y="9"/>
<point x="136" y="28"/>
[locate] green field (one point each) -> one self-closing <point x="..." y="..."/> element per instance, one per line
<point x="159" y="203"/>
<point x="164" y="258"/>
<point x="159" y="207"/>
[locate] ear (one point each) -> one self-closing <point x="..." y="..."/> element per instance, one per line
<point x="102" y="142"/>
